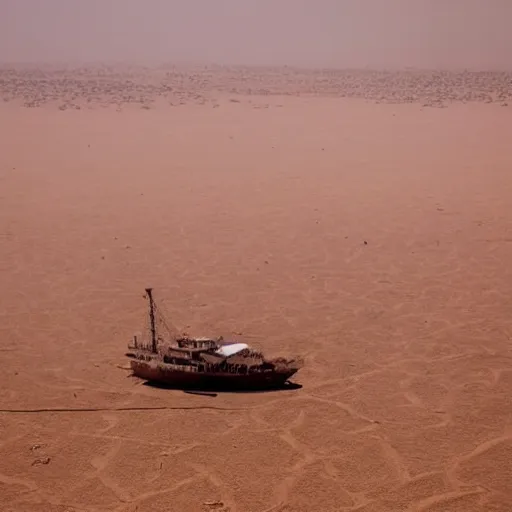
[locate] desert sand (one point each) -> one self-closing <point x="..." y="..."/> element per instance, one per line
<point x="359" y="219"/>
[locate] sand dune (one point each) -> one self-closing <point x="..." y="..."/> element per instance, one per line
<point x="331" y="215"/>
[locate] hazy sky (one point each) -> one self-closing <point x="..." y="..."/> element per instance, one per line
<point x="339" y="33"/>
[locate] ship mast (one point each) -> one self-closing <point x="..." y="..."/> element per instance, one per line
<point x="152" y="319"/>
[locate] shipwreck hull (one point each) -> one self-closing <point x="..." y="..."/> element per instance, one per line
<point x="186" y="379"/>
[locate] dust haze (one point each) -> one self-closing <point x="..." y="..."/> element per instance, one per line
<point x="329" y="180"/>
<point x="327" y="33"/>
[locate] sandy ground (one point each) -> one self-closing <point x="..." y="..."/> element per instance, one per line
<point x="371" y="236"/>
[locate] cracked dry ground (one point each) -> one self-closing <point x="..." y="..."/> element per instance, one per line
<point x="255" y="221"/>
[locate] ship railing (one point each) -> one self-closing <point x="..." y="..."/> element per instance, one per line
<point x="185" y="368"/>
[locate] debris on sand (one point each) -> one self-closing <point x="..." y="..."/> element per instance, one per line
<point x="41" y="461"/>
<point x="215" y="505"/>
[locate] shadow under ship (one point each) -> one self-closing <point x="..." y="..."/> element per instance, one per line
<point x="185" y="362"/>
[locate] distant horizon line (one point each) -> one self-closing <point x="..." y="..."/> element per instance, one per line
<point x="205" y="64"/>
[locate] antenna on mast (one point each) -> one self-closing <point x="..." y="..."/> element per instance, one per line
<point x="152" y="319"/>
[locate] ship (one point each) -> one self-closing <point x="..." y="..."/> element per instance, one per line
<point x="180" y="361"/>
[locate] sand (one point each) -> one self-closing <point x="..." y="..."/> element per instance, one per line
<point x="340" y="216"/>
